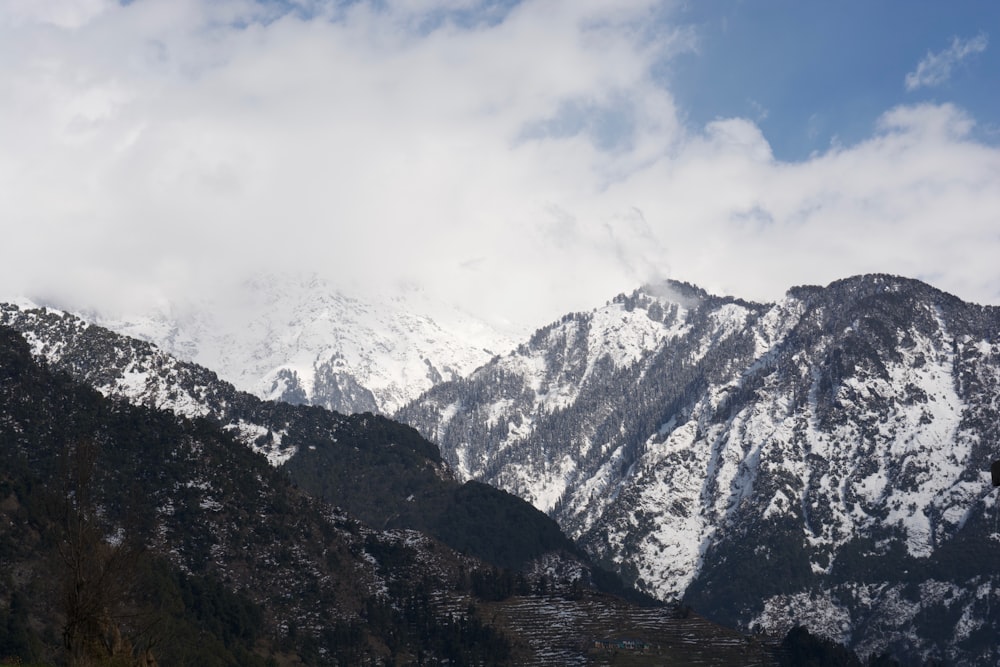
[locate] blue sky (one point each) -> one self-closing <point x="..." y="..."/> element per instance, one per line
<point x="522" y="159"/>
<point x="812" y="73"/>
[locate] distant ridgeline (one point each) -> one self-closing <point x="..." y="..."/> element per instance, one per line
<point x="380" y="471"/>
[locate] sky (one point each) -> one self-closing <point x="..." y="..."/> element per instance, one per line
<point x="521" y="159"/>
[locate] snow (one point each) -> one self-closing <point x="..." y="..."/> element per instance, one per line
<point x="36" y="344"/>
<point x="779" y="505"/>
<point x="462" y="469"/>
<point x="820" y="612"/>
<point x="969" y="622"/>
<point x="307" y="326"/>
<point x="776" y="324"/>
<point x="872" y="488"/>
<point x="544" y="491"/>
<point x="448" y="413"/>
<point x="550" y="372"/>
<point x="896" y="452"/>
<point x="623" y="337"/>
<point x="728" y="319"/>
<point x="251" y="434"/>
<point x="670" y="554"/>
<point x="210" y="504"/>
<point x="22" y="303"/>
<point x="498" y="410"/>
<point x="896" y="446"/>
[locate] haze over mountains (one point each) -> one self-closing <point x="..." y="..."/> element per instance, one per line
<point x="299" y="339"/>
<point x="821" y="460"/>
<point x="465" y="411"/>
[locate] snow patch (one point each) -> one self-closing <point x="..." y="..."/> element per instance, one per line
<point x="263" y="441"/>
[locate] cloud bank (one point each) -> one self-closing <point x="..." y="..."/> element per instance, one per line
<point x="523" y="159"/>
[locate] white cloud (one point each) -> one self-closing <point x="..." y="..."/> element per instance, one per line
<point x="524" y="166"/>
<point x="936" y="68"/>
<point x="59" y="13"/>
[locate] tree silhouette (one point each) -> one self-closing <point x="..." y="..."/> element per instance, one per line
<point x="99" y="571"/>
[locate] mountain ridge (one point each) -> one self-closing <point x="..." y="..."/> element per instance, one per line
<point x="819" y="459"/>
<point x="346" y="460"/>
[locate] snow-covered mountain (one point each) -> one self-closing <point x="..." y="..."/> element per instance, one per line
<point x="820" y="460"/>
<point x="178" y="543"/>
<point x="301" y="340"/>
<point x="380" y="471"/>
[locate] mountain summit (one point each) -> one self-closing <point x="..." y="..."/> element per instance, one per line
<point x="215" y="557"/>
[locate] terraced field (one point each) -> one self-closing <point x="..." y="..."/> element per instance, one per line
<point x="560" y="631"/>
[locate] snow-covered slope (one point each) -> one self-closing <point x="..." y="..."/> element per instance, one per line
<point x="826" y="454"/>
<point x="138" y="372"/>
<point x="301" y="340"/>
<point x="503" y="408"/>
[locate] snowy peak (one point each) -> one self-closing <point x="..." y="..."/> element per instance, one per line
<point x="583" y="358"/>
<point x="301" y="340"/>
<point x="140" y="373"/>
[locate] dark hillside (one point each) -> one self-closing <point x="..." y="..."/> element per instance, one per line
<point x="171" y="528"/>
<point x="348" y="461"/>
<point x="128" y="533"/>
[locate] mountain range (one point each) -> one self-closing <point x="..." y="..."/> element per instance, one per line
<point x="151" y="511"/>
<point x="822" y="460"/>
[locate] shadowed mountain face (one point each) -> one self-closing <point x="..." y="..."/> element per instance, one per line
<point x="127" y="530"/>
<point x="822" y="460"/>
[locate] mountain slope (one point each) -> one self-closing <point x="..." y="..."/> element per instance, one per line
<point x="84" y="477"/>
<point x="822" y="458"/>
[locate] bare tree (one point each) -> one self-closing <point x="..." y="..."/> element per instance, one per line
<point x="99" y="568"/>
